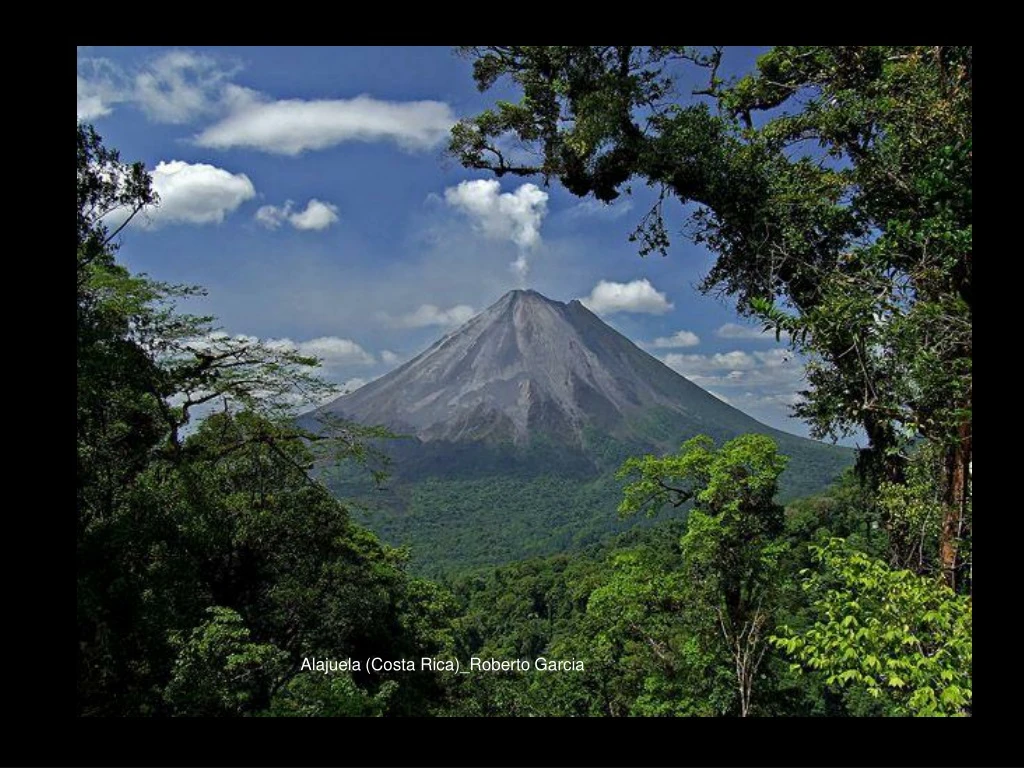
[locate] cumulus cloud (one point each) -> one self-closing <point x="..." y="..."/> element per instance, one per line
<point x="636" y="296"/>
<point x="196" y="193"/>
<point x="317" y="215"/>
<point x="676" y="340"/>
<point x="748" y="333"/>
<point x="388" y="357"/>
<point x="293" y="126"/>
<point x="190" y="193"/>
<point x="430" y="314"/>
<point x="513" y="216"/>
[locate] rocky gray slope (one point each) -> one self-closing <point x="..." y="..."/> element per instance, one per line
<point x="530" y="364"/>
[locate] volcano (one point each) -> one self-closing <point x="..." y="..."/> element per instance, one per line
<point x="533" y="388"/>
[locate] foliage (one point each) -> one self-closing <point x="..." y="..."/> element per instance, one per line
<point x="641" y="612"/>
<point x="889" y="633"/>
<point x="454" y="525"/>
<point x="218" y="668"/>
<point x="646" y="623"/>
<point x="611" y="605"/>
<point x="834" y="185"/>
<point x="732" y="548"/>
<point x="208" y="562"/>
<point x="483" y="505"/>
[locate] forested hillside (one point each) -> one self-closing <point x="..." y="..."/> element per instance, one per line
<point x="217" y="576"/>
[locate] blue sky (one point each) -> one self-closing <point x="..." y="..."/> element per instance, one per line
<point x="307" y="190"/>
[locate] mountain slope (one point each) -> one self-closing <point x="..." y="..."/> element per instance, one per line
<point x="533" y="388"/>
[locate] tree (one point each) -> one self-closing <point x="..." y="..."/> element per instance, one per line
<point x="218" y="671"/>
<point x="834" y="185"/>
<point x="647" y="628"/>
<point x="732" y="547"/>
<point x="209" y="562"/>
<point x="892" y="634"/>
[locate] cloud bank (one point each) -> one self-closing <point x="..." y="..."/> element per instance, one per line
<point x="764" y="384"/>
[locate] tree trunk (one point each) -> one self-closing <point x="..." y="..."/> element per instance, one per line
<point x="958" y="481"/>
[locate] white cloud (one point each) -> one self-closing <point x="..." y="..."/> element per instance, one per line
<point x="764" y="384"/>
<point x="195" y="193"/>
<point x="331" y="350"/>
<point x="430" y="314"/>
<point x="189" y="193"/>
<point x="676" y="340"/>
<point x="747" y="332"/>
<point x="696" y="365"/>
<point x="514" y="216"/>
<point x="180" y="86"/>
<point x="272" y="216"/>
<point x="174" y="87"/>
<point x="636" y="296"/>
<point x="388" y="357"/>
<point x="317" y="215"/>
<point x="293" y="126"/>
<point x="97" y="94"/>
<point x="184" y="86"/>
<point x="91" y="103"/>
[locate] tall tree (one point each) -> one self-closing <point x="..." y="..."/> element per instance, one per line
<point x="834" y="185"/>
<point x="732" y="546"/>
